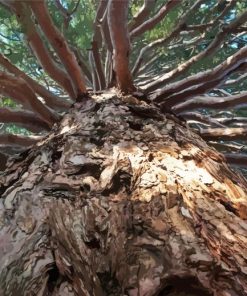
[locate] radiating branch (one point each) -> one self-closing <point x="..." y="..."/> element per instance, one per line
<point x="117" y="21"/>
<point x="210" y="102"/>
<point x="227" y="134"/>
<point x="152" y="22"/>
<point x="39" y="49"/>
<point x="60" y="46"/>
<point x="26" y="119"/>
<point x="214" y="45"/>
<point x="20" y="91"/>
<point x="18" y="140"/>
<point x="141" y="15"/>
<point x="50" y="99"/>
<point x="234" y="63"/>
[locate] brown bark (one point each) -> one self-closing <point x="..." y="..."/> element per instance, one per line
<point x="39" y="49"/>
<point x="127" y="202"/>
<point x="50" y="99"/>
<point x="152" y="22"/>
<point x="60" y="46"/>
<point x="117" y="22"/>
<point x="19" y="90"/>
<point x="25" y="119"/>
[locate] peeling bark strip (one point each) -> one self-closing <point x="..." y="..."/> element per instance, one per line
<point x="117" y="22"/>
<point x="122" y="201"/>
<point x="60" y="46"/>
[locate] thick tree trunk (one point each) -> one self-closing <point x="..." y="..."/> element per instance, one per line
<point x="122" y="200"/>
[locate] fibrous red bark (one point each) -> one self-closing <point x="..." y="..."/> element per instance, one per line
<point x="117" y="22"/>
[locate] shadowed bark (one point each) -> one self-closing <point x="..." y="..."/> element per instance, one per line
<point x="131" y="204"/>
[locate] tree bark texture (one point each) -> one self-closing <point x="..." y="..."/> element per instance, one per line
<point x="121" y="200"/>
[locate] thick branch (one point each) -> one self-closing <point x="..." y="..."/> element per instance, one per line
<point x="117" y="21"/>
<point x="23" y="14"/>
<point x="19" y="90"/>
<point x="50" y="99"/>
<point x="141" y="15"/>
<point x="151" y="23"/>
<point x="25" y="119"/>
<point x="60" y="46"/>
<point x="17" y="140"/>
<point x="232" y="64"/>
<point x="219" y="38"/>
<point x="198" y="117"/>
<point x="212" y="102"/>
<point x="238" y="159"/>
<point x="227" y="134"/>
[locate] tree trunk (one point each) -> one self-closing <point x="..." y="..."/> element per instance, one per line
<point x="122" y="200"/>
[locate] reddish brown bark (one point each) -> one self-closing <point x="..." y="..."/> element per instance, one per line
<point x="23" y="14"/>
<point x="117" y="22"/>
<point x="142" y="207"/>
<point x="50" y="99"/>
<point x="141" y="15"/>
<point x="152" y="22"/>
<point x="60" y="46"/>
<point x="19" y="90"/>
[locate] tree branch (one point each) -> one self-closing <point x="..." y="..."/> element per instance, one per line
<point x="23" y="14"/>
<point x="141" y="15"/>
<point x="60" y="46"/>
<point x="238" y="159"/>
<point x="17" y="140"/>
<point x="19" y="90"/>
<point x="50" y="99"/>
<point x="117" y="22"/>
<point x="219" y="38"/>
<point x="151" y="23"/>
<point x="165" y="40"/>
<point x="198" y="117"/>
<point x="226" y="134"/>
<point x="232" y="64"/>
<point x="26" y="119"/>
<point x="212" y="102"/>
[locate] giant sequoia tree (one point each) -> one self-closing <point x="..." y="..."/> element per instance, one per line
<point x="112" y="189"/>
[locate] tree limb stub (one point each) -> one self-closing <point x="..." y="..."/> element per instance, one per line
<point x="226" y="134"/>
